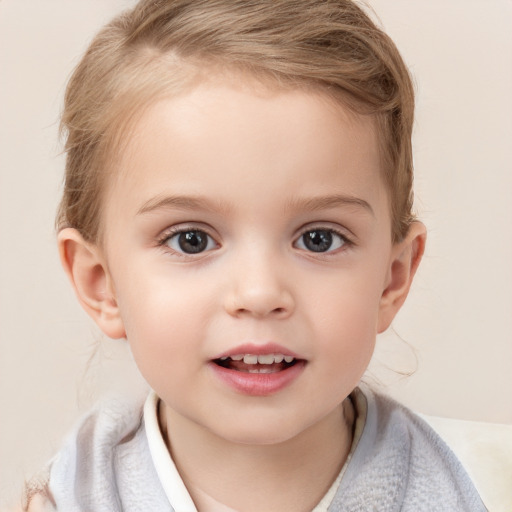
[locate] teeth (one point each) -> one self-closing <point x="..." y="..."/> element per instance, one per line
<point x="259" y="359"/>
<point x="261" y="370"/>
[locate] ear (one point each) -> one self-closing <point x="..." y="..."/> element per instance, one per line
<point x="405" y="259"/>
<point x="87" y="271"/>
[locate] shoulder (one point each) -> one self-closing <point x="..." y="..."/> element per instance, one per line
<point x="95" y="438"/>
<point x="485" y="451"/>
<point x="91" y="460"/>
<point x="402" y="464"/>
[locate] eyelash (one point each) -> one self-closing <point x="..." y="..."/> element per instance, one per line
<point x="168" y="235"/>
<point x="346" y="241"/>
<point x="171" y="233"/>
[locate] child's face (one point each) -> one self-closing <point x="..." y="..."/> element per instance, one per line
<point x="247" y="223"/>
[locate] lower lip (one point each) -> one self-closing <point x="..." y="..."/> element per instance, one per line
<point x="258" y="384"/>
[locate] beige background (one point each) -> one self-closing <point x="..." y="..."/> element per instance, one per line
<point x="456" y="328"/>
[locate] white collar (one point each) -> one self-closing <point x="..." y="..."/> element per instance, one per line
<point x="171" y="481"/>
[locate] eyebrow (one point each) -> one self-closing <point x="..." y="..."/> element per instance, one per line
<point x="191" y="203"/>
<point x="331" y="201"/>
<point x="187" y="203"/>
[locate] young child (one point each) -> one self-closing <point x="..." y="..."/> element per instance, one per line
<point x="237" y="205"/>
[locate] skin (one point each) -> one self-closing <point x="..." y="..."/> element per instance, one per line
<point x="252" y="169"/>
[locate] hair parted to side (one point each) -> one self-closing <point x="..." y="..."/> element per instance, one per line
<point x="161" y="47"/>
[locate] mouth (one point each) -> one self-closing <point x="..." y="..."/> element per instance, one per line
<point x="257" y="363"/>
<point x="258" y="371"/>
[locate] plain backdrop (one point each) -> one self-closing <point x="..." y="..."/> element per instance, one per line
<point x="455" y="331"/>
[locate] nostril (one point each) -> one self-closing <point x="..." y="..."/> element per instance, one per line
<point x="259" y="302"/>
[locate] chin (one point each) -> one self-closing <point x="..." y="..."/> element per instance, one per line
<point x="260" y="433"/>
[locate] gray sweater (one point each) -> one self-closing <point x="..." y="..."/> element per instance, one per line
<point x="399" y="464"/>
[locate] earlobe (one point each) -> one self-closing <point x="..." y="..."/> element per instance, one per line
<point x="86" y="269"/>
<point x="404" y="262"/>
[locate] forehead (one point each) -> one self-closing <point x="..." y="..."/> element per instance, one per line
<point x="226" y="138"/>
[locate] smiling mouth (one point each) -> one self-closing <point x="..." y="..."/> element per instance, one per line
<point x="252" y="363"/>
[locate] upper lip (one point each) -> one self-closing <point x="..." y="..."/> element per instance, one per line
<point x="257" y="350"/>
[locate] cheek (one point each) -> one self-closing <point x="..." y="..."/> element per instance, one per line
<point x="163" y="320"/>
<point x="348" y="300"/>
<point x="344" y="314"/>
<point x="348" y="330"/>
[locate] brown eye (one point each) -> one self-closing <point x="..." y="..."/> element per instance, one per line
<point x="192" y="241"/>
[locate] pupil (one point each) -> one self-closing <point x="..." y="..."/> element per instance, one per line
<point x="192" y="241"/>
<point x="318" y="241"/>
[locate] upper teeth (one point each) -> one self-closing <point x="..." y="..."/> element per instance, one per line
<point x="261" y="359"/>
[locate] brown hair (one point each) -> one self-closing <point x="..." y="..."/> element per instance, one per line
<point x="162" y="46"/>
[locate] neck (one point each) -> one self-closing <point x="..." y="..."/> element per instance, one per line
<point x="291" y="475"/>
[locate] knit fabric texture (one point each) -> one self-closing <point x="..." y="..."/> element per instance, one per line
<point x="399" y="464"/>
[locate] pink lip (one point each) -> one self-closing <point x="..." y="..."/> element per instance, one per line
<point x="258" y="384"/>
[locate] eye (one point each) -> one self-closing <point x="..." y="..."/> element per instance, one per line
<point x="321" y="240"/>
<point x="190" y="241"/>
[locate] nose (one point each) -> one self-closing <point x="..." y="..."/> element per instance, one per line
<point x="258" y="288"/>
